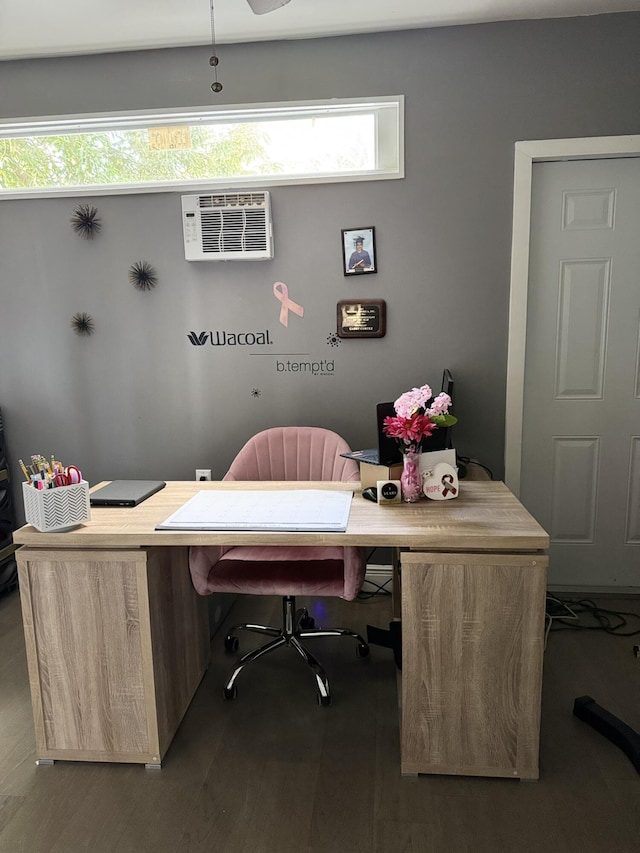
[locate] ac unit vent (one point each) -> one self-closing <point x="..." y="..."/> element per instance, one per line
<point x="227" y="227"/>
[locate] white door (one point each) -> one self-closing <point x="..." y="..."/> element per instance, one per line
<point x="581" y="432"/>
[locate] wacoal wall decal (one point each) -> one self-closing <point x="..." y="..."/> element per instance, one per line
<point x="226" y="338"/>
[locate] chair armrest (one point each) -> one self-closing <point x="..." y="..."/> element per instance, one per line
<point x="202" y="558"/>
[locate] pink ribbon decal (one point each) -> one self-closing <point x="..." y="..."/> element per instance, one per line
<point x="447" y="482"/>
<point x="281" y="293"/>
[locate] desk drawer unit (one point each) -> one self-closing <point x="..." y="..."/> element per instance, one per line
<point x="117" y="643"/>
<point x="473" y="640"/>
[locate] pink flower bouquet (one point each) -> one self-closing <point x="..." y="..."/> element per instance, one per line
<point x="418" y="414"/>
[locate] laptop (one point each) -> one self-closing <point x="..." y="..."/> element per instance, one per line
<point x="388" y="451"/>
<point x="125" y="492"/>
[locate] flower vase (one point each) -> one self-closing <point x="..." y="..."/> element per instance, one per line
<point x="410" y="477"/>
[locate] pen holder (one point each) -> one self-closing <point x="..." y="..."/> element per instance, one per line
<point x="54" y="510"/>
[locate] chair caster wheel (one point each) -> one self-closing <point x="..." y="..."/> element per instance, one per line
<point x="362" y="650"/>
<point x="307" y="622"/>
<point x="231" y="643"/>
<point x="231" y="693"/>
<point x="324" y="701"/>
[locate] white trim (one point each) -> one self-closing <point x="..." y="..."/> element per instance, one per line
<point x="201" y="186"/>
<point x="178" y="115"/>
<point x="526" y="154"/>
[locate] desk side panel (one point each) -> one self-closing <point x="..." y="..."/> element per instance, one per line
<point x="473" y="639"/>
<point x="180" y="645"/>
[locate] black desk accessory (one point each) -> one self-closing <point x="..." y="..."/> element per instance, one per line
<point x="613" y="728"/>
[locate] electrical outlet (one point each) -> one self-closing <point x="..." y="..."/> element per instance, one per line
<point x="203" y="473"/>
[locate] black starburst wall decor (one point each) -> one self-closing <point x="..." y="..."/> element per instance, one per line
<point x="82" y="324"/>
<point x="143" y="276"/>
<point x="85" y="221"/>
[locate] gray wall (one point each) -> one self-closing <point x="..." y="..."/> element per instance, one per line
<point x="137" y="399"/>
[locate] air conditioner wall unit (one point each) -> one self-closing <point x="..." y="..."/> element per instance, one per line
<point x="227" y="226"/>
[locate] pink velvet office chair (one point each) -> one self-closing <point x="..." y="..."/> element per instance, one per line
<point x="286" y="453"/>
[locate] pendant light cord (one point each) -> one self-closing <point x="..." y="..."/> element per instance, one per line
<point x="213" y="59"/>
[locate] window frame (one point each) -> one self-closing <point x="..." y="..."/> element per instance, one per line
<point x="389" y="142"/>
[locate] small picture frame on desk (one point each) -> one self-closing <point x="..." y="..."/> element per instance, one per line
<point x="359" y="251"/>
<point x="362" y="318"/>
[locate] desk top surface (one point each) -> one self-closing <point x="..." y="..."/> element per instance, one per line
<point x="485" y="516"/>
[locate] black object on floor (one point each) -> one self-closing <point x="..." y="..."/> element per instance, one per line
<point x="8" y="577"/>
<point x="391" y="639"/>
<point x="619" y="733"/>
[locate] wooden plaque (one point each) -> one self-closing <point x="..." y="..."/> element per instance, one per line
<point x="362" y="318"/>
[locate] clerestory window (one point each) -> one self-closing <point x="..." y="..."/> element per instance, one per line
<point x="267" y="144"/>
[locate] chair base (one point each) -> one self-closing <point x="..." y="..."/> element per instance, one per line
<point x="296" y="624"/>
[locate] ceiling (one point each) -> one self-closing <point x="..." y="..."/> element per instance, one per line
<point x="37" y="28"/>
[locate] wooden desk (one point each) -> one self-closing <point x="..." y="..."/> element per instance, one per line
<point x="117" y="641"/>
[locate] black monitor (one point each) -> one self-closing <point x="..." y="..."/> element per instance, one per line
<point x="441" y="438"/>
<point x="447" y="382"/>
<point x="447" y="388"/>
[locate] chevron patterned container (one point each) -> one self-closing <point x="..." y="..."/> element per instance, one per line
<point x="53" y="510"/>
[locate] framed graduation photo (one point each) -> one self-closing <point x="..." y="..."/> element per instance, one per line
<point x="359" y="251"/>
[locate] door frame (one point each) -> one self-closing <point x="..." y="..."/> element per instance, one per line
<point x="526" y="154"/>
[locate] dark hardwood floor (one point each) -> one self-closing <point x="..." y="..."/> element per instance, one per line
<point x="274" y="773"/>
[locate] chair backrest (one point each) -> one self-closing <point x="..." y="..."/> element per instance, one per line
<point x="294" y="453"/>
